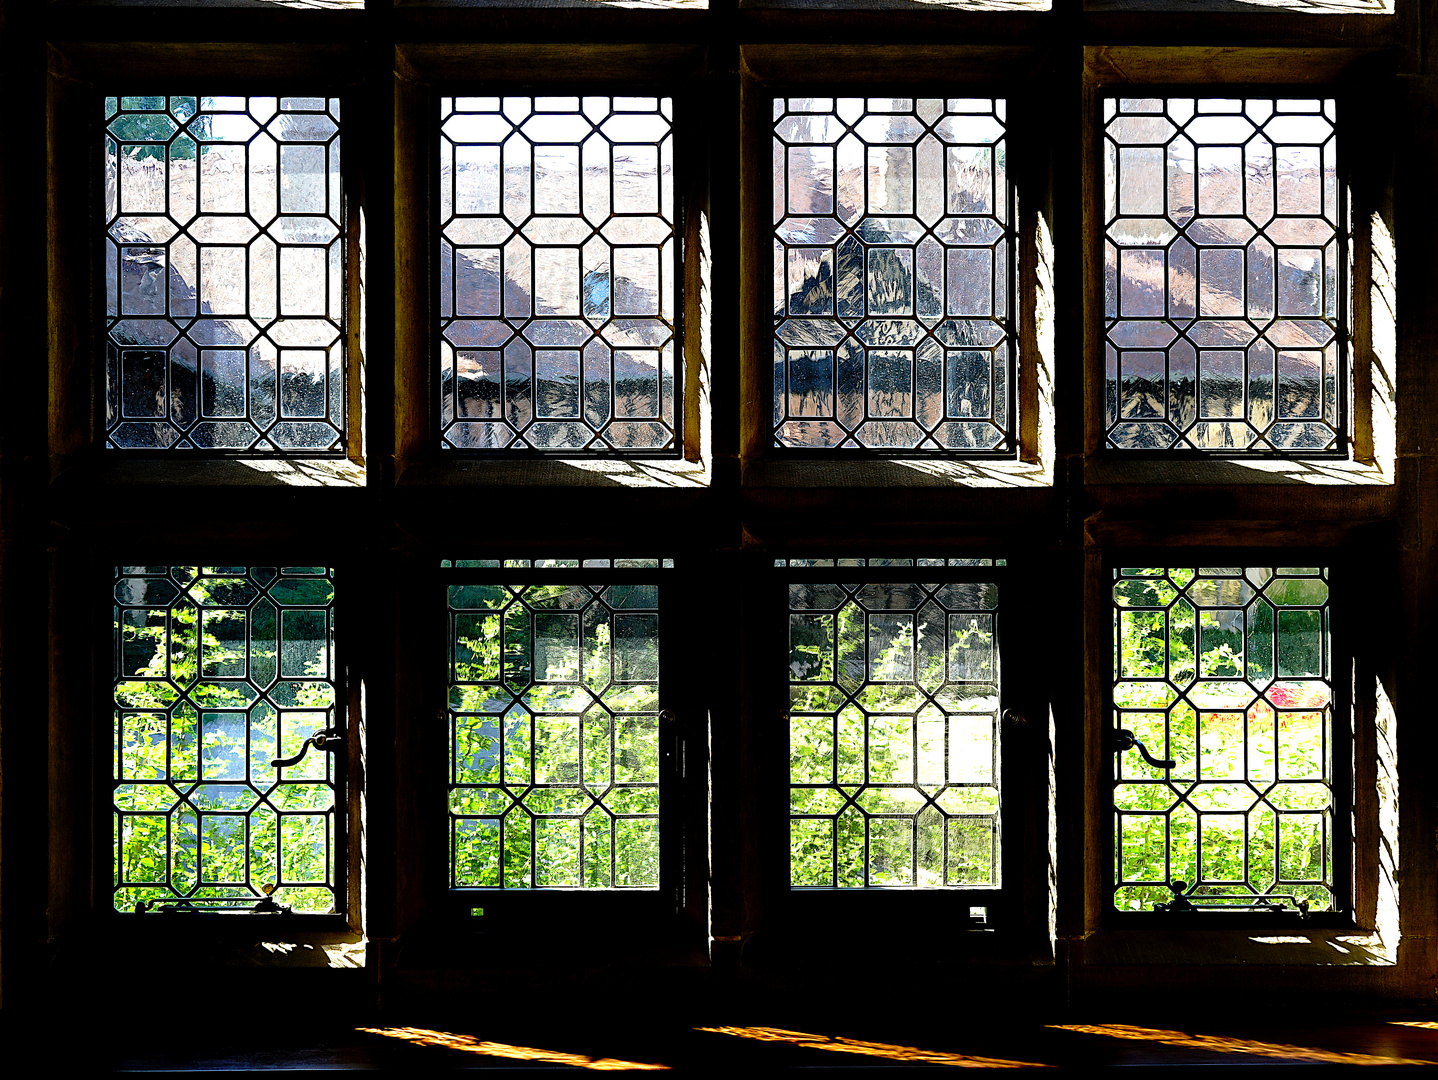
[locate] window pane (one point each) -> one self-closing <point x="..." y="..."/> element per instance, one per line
<point x="893" y="275"/>
<point x="224" y="275"/>
<point x="554" y="735"/>
<point x="1224" y="677"/>
<point x="558" y="275"/>
<point x="893" y="735"/>
<point x="1225" y="294"/>
<point x="220" y="673"/>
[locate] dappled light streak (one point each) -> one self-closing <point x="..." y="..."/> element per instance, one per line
<point x="863" y="1047"/>
<point x="470" y="1045"/>
<point x="1223" y="1044"/>
<point x="893" y="241"/>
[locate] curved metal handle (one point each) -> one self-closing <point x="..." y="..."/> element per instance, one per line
<point x="328" y="739"/>
<point x="1126" y="740"/>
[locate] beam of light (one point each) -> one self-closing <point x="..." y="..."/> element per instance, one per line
<point x="1222" y="1044"/>
<point x="470" y="1045"/>
<point x="1431" y="1025"/>
<point x="871" y="1049"/>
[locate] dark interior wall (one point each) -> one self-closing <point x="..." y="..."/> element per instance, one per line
<point x="65" y="507"/>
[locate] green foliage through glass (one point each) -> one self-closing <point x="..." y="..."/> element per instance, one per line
<point x="1226" y="671"/>
<point x="220" y="670"/>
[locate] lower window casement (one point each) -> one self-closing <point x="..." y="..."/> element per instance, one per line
<point x="895" y="724"/>
<point x="561" y="748"/>
<point x="228" y="792"/>
<point x="1230" y="769"/>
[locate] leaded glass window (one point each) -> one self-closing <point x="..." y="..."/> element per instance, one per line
<point x="894" y="739"/>
<point x="554" y="726"/>
<point x="221" y="674"/>
<point x="894" y="275"/>
<point x="1225" y="277"/>
<point x="1223" y="774"/>
<point x="224" y="275"/>
<point x="558" y="275"/>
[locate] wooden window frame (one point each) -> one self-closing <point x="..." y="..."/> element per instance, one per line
<point x="81" y="73"/>
<point x="424" y="71"/>
<point x="777" y="70"/>
<point x="1359" y="79"/>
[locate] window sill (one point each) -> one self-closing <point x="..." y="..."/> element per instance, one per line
<point x="656" y="474"/>
<point x="1258" y="945"/>
<point x="1211" y="471"/>
<point x="896" y="472"/>
<point x="110" y="471"/>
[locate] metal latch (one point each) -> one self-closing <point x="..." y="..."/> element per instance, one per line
<point x="328" y="739"/>
<point x="1123" y="740"/>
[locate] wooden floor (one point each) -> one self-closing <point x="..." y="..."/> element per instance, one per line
<point x="754" y="1047"/>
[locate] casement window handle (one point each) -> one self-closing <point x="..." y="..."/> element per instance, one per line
<point x="328" y="739"/>
<point x="1124" y="740"/>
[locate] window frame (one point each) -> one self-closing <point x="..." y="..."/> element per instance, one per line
<point x="79" y="458"/>
<point x="770" y="71"/>
<point x="1357" y="79"/>
<point x="426" y="71"/>
<point x="90" y="590"/>
<point x="546" y="924"/>
<point x="1343" y="743"/>
<point x="1343" y="236"/>
<point x="1364" y="890"/>
<point x="800" y="924"/>
<point x="782" y="88"/>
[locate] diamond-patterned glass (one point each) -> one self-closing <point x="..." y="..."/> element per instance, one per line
<point x="894" y="735"/>
<point x="1225" y="281"/>
<point x="894" y="275"/>
<point x="554" y="735"/>
<point x="1224" y="675"/>
<point x="224" y="255"/>
<point x="220" y="672"/>
<point x="558" y="266"/>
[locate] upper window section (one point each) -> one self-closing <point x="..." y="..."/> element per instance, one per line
<point x="893" y="275"/>
<point x="558" y="275"/>
<point x="1225" y="288"/>
<point x="224" y="275"/>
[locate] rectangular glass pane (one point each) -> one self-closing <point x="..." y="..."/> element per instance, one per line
<point x="221" y="672"/>
<point x="1224" y="677"/>
<point x="894" y="275"/>
<point x="558" y="274"/>
<point x="554" y="735"/>
<point x="224" y="253"/>
<point x="1226" y="286"/>
<point x="893" y="735"/>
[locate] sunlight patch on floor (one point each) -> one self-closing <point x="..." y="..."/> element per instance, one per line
<point x="871" y="1049"/>
<point x="470" y="1045"/>
<point x="1222" y="1044"/>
